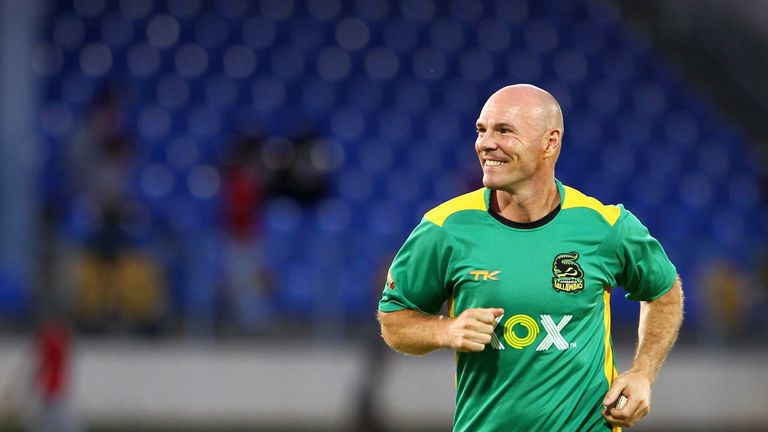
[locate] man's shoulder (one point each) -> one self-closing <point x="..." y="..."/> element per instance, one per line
<point x="474" y="200"/>
<point x="575" y="199"/>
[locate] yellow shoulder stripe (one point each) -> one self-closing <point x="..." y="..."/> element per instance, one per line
<point x="574" y="198"/>
<point x="470" y="201"/>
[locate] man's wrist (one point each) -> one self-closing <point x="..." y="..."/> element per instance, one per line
<point x="645" y="369"/>
<point x="441" y="332"/>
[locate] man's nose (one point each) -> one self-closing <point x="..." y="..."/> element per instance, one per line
<point x="486" y="141"/>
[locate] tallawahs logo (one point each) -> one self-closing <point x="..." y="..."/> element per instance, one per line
<point x="569" y="277"/>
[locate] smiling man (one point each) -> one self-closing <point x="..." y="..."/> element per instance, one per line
<point x="526" y="266"/>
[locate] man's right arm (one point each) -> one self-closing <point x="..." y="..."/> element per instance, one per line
<point x="412" y="332"/>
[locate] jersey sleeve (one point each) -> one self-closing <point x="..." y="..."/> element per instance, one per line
<point x="642" y="266"/>
<point x="418" y="277"/>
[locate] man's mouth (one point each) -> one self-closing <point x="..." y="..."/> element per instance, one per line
<point x="490" y="162"/>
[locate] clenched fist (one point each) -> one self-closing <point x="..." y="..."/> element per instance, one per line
<point x="471" y="330"/>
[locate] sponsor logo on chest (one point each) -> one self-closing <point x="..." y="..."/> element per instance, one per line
<point x="529" y="328"/>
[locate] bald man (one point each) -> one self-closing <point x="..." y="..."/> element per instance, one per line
<point x="526" y="266"/>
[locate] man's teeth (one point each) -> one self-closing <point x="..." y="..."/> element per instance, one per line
<point x="494" y="163"/>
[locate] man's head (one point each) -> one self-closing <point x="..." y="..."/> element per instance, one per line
<point x="519" y="132"/>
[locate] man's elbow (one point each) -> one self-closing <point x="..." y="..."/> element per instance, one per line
<point x="387" y="333"/>
<point x="392" y="332"/>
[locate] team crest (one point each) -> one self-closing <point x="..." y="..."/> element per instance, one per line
<point x="569" y="277"/>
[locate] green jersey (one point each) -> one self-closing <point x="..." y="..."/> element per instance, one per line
<point x="550" y="361"/>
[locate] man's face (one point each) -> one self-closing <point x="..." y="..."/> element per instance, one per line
<point x="510" y="143"/>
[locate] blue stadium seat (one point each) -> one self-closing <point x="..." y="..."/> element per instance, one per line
<point x="333" y="64"/>
<point x="541" y="36"/>
<point x="364" y="94"/>
<point x="15" y="296"/>
<point x="211" y="31"/>
<point x="277" y="10"/>
<point x="137" y="9"/>
<point x="373" y="157"/>
<point x="232" y="9"/>
<point x="116" y="30"/>
<point x="476" y="65"/>
<point x="334" y="217"/>
<point x="461" y="95"/>
<point x="394" y="125"/>
<point x="373" y="10"/>
<point x="323" y="10"/>
<point x="352" y="34"/>
<point x="143" y="60"/>
<point x="467" y="11"/>
<point x="381" y="63"/>
<point x="348" y="123"/>
<point x="239" y="61"/>
<point x="571" y="66"/>
<point x="68" y="31"/>
<point x="184" y="9"/>
<point x="493" y="35"/>
<point x="446" y="34"/>
<point x="268" y="94"/>
<point x="287" y="62"/>
<point x="172" y="92"/>
<point x="154" y="123"/>
<point x="429" y="64"/>
<point x="524" y="66"/>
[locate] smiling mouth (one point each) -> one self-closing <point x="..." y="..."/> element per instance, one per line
<point x="488" y="162"/>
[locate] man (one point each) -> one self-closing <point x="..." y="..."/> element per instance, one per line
<point x="526" y="265"/>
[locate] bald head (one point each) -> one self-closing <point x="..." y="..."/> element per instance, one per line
<point x="537" y="105"/>
<point x="519" y="132"/>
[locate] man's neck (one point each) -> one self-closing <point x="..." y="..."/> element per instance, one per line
<point x="527" y="203"/>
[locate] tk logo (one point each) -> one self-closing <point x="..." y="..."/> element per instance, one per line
<point x="485" y="274"/>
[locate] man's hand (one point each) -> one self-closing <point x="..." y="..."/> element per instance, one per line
<point x="471" y="330"/>
<point x="636" y="387"/>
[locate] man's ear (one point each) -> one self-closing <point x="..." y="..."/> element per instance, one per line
<point x="552" y="144"/>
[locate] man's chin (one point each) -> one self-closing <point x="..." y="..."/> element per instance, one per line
<point x="491" y="183"/>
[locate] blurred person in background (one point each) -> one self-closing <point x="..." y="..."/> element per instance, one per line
<point x="118" y="285"/>
<point x="523" y="253"/>
<point x="297" y="167"/>
<point x="51" y="382"/>
<point x="728" y="297"/>
<point x="246" y="281"/>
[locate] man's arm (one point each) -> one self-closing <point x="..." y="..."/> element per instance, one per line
<point x="412" y="332"/>
<point x="658" y="327"/>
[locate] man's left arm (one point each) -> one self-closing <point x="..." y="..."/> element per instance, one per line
<point x="659" y="324"/>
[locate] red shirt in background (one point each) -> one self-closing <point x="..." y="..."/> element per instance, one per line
<point x="53" y="355"/>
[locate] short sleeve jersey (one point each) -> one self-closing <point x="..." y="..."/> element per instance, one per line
<point x="550" y="360"/>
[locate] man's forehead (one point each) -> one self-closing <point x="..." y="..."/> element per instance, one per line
<point x="492" y="111"/>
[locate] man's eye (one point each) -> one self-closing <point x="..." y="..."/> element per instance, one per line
<point x="506" y="131"/>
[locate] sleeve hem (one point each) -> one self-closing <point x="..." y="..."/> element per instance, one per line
<point x="663" y="291"/>
<point x="394" y="307"/>
<point x="391" y="308"/>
